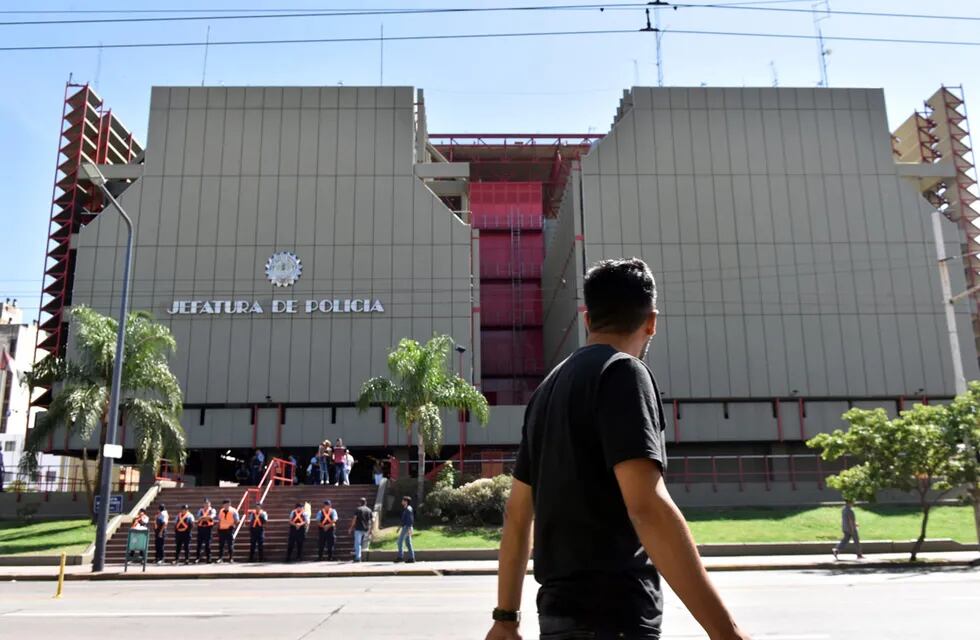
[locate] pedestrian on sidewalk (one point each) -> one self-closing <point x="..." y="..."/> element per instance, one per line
<point x="349" y="462"/>
<point x="327" y="521"/>
<point x="377" y="471"/>
<point x="160" y="532"/>
<point x="227" y="520"/>
<point x="299" y="520"/>
<point x="360" y="526"/>
<point x="257" y="519"/>
<point x="183" y="526"/>
<point x="408" y="528"/>
<point x="256" y="466"/>
<point x="313" y="470"/>
<point x="205" y="523"/>
<point x="593" y="435"/>
<point x="849" y="527"/>
<point x="323" y="454"/>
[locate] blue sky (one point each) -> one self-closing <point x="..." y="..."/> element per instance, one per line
<point x="563" y="84"/>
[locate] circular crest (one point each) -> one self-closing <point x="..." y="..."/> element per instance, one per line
<point x="283" y="268"/>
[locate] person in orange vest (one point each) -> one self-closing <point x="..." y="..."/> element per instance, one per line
<point x="160" y="532"/>
<point x="327" y="519"/>
<point x="298" y="522"/>
<point x="140" y="521"/>
<point x="205" y="522"/>
<point x="182" y="534"/>
<point x="257" y="519"/>
<point x="227" y="519"/>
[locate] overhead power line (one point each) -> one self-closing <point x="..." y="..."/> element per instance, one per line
<point x="281" y="14"/>
<point x="486" y="36"/>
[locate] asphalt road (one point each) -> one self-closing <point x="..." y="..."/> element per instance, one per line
<point x="773" y="605"/>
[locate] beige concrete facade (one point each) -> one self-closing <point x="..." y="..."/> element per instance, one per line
<point x="234" y="175"/>
<point x="792" y="259"/>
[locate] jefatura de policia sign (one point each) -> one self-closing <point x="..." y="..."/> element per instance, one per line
<point x="256" y="307"/>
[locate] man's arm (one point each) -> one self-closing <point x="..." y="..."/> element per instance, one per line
<point x="665" y="536"/>
<point x="515" y="549"/>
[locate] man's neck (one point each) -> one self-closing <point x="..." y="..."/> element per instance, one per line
<point x="617" y="342"/>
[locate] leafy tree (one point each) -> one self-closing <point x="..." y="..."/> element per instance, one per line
<point x="422" y="383"/>
<point x="910" y="453"/>
<point x="150" y="401"/>
<point x="963" y="437"/>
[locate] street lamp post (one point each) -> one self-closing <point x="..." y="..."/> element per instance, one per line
<point x="460" y="349"/>
<point x="110" y="450"/>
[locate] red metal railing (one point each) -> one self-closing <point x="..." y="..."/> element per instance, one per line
<point x="795" y="470"/>
<point x="278" y="470"/>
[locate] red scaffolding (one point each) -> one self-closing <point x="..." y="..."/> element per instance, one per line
<point x="89" y="133"/>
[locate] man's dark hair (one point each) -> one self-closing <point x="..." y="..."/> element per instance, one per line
<point x="619" y="295"/>
<point x="407" y="499"/>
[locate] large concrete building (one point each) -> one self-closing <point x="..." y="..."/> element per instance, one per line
<point x="290" y="236"/>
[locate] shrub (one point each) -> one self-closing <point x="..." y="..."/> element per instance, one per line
<point x="479" y="502"/>
<point x="446" y="478"/>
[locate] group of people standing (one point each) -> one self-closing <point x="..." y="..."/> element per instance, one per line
<point x="257" y="520"/>
<point x="331" y="464"/>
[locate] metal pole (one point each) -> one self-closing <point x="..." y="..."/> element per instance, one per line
<point x="103" y="517"/>
<point x="959" y="379"/>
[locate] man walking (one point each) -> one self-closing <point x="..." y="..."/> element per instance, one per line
<point x="227" y="520"/>
<point x="408" y="528"/>
<point x="182" y="534"/>
<point x="160" y="533"/>
<point x="205" y="523"/>
<point x="593" y="436"/>
<point x="298" y="521"/>
<point x="257" y="519"/>
<point x="360" y="526"/>
<point x="327" y="521"/>
<point x="849" y="526"/>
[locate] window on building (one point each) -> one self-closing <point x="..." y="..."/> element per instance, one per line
<point x="9" y="445"/>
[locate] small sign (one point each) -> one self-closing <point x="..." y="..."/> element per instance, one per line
<point x="112" y="451"/>
<point x="115" y="504"/>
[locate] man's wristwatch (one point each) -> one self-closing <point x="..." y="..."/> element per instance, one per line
<point x="502" y="615"/>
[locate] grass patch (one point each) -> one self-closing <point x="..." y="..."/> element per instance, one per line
<point x="441" y="537"/>
<point x="45" y="538"/>
<point x="876" y="522"/>
<point x="743" y="524"/>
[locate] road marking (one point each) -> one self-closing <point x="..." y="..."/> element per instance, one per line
<point x="118" y="614"/>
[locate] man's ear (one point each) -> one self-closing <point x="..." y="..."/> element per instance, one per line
<point x="652" y="324"/>
<point x="588" y="322"/>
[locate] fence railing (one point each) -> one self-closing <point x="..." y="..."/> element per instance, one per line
<point x="70" y="479"/>
<point x="796" y="470"/>
<point x="278" y="471"/>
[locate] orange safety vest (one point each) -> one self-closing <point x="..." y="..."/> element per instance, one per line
<point x="182" y="523"/>
<point x="206" y="520"/>
<point x="326" y="523"/>
<point x="226" y="519"/>
<point x="257" y="519"/>
<point x="297" y="518"/>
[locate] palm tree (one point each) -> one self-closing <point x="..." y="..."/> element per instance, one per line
<point x="421" y="384"/>
<point x="150" y="400"/>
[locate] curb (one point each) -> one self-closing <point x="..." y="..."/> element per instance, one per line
<point x="448" y="572"/>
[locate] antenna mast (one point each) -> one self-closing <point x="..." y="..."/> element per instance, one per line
<point x="821" y="12"/>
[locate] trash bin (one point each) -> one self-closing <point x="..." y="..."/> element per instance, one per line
<point x="137" y="547"/>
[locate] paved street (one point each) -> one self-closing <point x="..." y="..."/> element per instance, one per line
<point x="774" y="605"/>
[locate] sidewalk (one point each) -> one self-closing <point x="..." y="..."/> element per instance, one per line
<point x="471" y="567"/>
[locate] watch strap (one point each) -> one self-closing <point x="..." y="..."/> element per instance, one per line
<point x="502" y="615"/>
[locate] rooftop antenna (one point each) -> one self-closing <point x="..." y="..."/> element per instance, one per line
<point x="775" y="76"/>
<point x="821" y="12"/>
<point x="382" y="54"/>
<point x="207" y="43"/>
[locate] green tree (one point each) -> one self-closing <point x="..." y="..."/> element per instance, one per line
<point x="910" y="453"/>
<point x="422" y="383"/>
<point x="150" y="401"/>
<point x="963" y="438"/>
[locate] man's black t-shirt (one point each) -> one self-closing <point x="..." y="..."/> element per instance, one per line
<point x="598" y="408"/>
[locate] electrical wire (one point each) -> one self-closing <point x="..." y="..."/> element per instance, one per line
<point x="487" y="36"/>
<point x="828" y="12"/>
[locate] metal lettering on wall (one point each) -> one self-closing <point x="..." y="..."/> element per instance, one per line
<point x="249" y="307"/>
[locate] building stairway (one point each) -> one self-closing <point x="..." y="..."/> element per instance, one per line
<point x="278" y="503"/>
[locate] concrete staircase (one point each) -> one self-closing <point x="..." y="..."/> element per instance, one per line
<point x="278" y="504"/>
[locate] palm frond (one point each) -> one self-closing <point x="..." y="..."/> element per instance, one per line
<point x="430" y="426"/>
<point x="377" y="390"/>
<point x="159" y="433"/>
